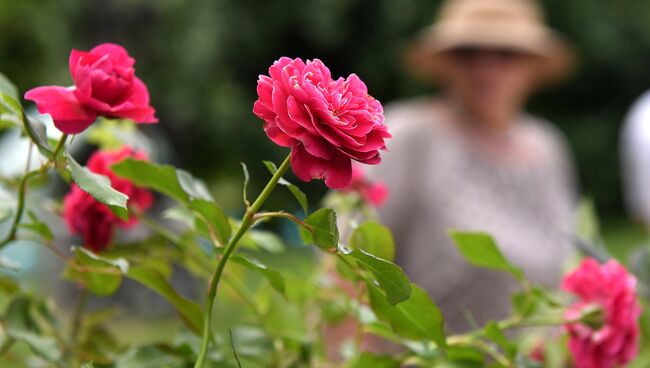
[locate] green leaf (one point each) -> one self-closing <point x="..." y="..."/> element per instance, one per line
<point x="525" y="303"/>
<point x="533" y="300"/>
<point x="37" y="226"/>
<point x="417" y="318"/>
<point x="464" y="357"/>
<point x="112" y="134"/>
<point x="11" y="113"/>
<point x="297" y="193"/>
<point x="7" y="87"/>
<point x="262" y="239"/>
<point x="284" y="319"/>
<point x="37" y="132"/>
<point x="247" y="179"/>
<point x="168" y="180"/>
<point x="275" y="278"/>
<point x="161" y="178"/>
<point x="213" y="217"/>
<point x="44" y="346"/>
<point x="8" y="120"/>
<point x="11" y="106"/>
<point x="189" y="311"/>
<point x="374" y="238"/>
<point x="99" y="187"/>
<point x="195" y="188"/>
<point x="493" y="332"/>
<point x="148" y="357"/>
<point x="390" y="277"/>
<point x="323" y="231"/>
<point x="369" y="360"/>
<point x="481" y="250"/>
<point x="21" y="325"/>
<point x="100" y="275"/>
<point x="587" y="220"/>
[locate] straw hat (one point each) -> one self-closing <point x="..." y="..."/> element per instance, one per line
<point x="516" y="25"/>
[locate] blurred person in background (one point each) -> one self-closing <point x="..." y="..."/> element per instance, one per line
<point x="635" y="154"/>
<point x="473" y="160"/>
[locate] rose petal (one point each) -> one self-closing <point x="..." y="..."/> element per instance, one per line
<point x="62" y="105"/>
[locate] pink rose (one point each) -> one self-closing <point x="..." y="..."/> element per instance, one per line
<point x="139" y="199"/>
<point x="93" y="220"/>
<point x="326" y="122"/>
<point x="373" y="193"/>
<point x="104" y="85"/>
<point x="612" y="288"/>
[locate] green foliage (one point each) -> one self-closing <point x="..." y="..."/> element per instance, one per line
<point x="189" y="311"/>
<point x="374" y="238"/>
<point x="388" y="276"/>
<point x="38" y="227"/>
<point x="322" y="230"/>
<point x="247" y="179"/>
<point x="493" y="332"/>
<point x="481" y="250"/>
<point x="11" y="114"/>
<point x="161" y="178"/>
<point x="7" y="87"/>
<point x="277" y="306"/>
<point x="99" y="187"/>
<point x="212" y="217"/>
<point x="100" y="275"/>
<point x="112" y="134"/>
<point x="274" y="277"/>
<point x="417" y="318"/>
<point x="368" y="360"/>
<point x="37" y="132"/>
<point x="28" y="321"/>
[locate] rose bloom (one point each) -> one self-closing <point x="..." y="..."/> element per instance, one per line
<point x="612" y="288"/>
<point x="93" y="220"/>
<point x="104" y="85"/>
<point x="373" y="193"/>
<point x="326" y="122"/>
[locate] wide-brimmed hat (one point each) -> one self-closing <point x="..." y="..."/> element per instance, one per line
<point x="516" y="25"/>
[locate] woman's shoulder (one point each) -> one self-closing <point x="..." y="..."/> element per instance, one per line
<point x="542" y="128"/>
<point x="546" y="136"/>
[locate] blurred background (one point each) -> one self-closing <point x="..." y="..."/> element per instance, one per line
<point x="200" y="60"/>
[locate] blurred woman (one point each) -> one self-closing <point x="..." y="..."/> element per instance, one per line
<point x="472" y="159"/>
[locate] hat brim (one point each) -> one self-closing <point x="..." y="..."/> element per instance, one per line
<point x="425" y="55"/>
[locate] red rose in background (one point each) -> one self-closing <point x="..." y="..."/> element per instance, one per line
<point x="104" y="85"/>
<point x="612" y="288"/>
<point x="326" y="122"/>
<point x="139" y="199"/>
<point x="93" y="220"/>
<point x="373" y="193"/>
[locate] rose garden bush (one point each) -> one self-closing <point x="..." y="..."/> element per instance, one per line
<point x="332" y="127"/>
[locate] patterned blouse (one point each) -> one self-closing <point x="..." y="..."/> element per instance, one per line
<point x="519" y="189"/>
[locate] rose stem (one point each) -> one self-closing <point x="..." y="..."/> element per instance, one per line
<point x="22" y="188"/>
<point x="246" y="223"/>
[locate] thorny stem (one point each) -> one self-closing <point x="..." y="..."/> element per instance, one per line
<point x="246" y="223"/>
<point x="22" y="189"/>
<point x="281" y="214"/>
<point x="472" y="338"/>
